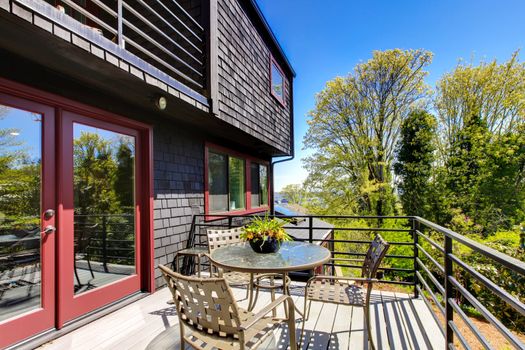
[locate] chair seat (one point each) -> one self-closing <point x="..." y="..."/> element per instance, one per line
<point x="336" y="291"/>
<point x="234" y="278"/>
<point x="256" y="333"/>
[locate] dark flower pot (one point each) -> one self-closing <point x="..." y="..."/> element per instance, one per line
<point x="271" y="245"/>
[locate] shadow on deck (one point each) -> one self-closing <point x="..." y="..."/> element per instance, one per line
<point x="398" y="320"/>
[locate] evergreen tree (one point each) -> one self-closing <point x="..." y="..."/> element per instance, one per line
<point x="415" y="157"/>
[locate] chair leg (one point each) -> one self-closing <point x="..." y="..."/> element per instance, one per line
<point x="88" y="258"/>
<point x="249" y="293"/>
<point x="306" y="315"/>
<point x="290" y="307"/>
<point x="369" y="328"/>
<point x="76" y="272"/>
<point x="254" y="301"/>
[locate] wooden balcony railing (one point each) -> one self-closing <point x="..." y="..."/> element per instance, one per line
<point x="430" y="263"/>
<point x="161" y="32"/>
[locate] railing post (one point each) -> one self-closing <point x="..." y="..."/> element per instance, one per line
<point x="120" y="29"/>
<point x="104" y="244"/>
<point x="449" y="292"/>
<point x="415" y="236"/>
<point x="310" y="229"/>
<point x="211" y="37"/>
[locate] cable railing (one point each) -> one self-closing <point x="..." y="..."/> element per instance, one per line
<point x="161" y="32"/>
<point x="430" y="259"/>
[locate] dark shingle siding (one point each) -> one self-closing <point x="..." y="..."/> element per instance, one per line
<point x="244" y="80"/>
<point x="178" y="189"/>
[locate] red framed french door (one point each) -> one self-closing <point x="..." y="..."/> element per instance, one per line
<point x="76" y="210"/>
<point x="100" y="196"/>
<point x="27" y="220"/>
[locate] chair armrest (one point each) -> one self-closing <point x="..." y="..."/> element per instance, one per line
<point x="346" y="259"/>
<point x="343" y="278"/>
<point x="284" y="298"/>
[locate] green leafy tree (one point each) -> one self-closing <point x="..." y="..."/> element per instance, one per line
<point x="295" y="193"/>
<point x="94" y="176"/>
<point x="493" y="92"/>
<point x="355" y="126"/>
<point x="124" y="179"/>
<point x="415" y="158"/>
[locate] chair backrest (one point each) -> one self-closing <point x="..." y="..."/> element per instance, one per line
<point x="222" y="238"/>
<point x="375" y="254"/>
<point x="206" y="304"/>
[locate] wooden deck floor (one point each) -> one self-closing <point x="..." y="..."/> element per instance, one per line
<point x="398" y="322"/>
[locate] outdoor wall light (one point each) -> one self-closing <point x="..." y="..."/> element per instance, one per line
<point x="161" y="102"/>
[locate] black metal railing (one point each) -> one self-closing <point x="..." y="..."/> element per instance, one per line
<point x="106" y="238"/>
<point x="162" y="33"/>
<point x="445" y="289"/>
<point x="427" y="253"/>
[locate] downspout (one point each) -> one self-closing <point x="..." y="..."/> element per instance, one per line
<point x="292" y="156"/>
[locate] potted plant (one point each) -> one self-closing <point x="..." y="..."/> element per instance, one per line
<point x="265" y="235"/>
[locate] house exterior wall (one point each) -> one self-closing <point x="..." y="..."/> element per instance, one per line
<point x="244" y="96"/>
<point x="178" y="183"/>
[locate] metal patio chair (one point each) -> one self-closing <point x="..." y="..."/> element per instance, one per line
<point x="222" y="238"/>
<point x="341" y="290"/>
<point x="207" y="306"/>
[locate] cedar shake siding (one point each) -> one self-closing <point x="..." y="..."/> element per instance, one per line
<point x="178" y="168"/>
<point x="244" y="95"/>
<point x="179" y="77"/>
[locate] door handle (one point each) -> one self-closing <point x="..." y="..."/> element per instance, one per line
<point x="49" y="229"/>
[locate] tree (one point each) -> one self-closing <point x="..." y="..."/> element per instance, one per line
<point x="295" y="193"/>
<point x="355" y="126"/>
<point x="493" y="92"/>
<point x="415" y="158"/>
<point x="124" y="178"/>
<point x="94" y="175"/>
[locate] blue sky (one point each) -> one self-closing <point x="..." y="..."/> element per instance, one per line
<point x="327" y="38"/>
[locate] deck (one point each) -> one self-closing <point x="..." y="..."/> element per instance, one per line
<point x="398" y="321"/>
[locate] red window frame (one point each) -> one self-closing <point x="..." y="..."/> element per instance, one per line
<point x="248" y="160"/>
<point x="279" y="99"/>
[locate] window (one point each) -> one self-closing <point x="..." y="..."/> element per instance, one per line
<point x="276" y="81"/>
<point x="259" y="182"/>
<point x="235" y="182"/>
<point x="218" y="182"/>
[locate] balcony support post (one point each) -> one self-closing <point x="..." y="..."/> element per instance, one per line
<point x="211" y="35"/>
<point x="449" y="293"/>
<point x="120" y="29"/>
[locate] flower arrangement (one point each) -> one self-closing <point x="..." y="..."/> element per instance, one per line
<point x="265" y="235"/>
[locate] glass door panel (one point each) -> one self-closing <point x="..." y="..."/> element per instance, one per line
<point x="99" y="260"/>
<point x="20" y="201"/>
<point x="104" y="202"/>
<point x="27" y="235"/>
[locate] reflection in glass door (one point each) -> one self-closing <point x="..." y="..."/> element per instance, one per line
<point x="27" y="235"/>
<point x="99" y="250"/>
<point x="104" y="207"/>
<point x="20" y="226"/>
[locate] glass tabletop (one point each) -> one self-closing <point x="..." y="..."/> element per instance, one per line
<point x="293" y="256"/>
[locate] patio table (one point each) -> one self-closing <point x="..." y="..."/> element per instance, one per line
<point x="293" y="256"/>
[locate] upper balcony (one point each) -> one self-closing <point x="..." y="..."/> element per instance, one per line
<point x="161" y="42"/>
<point x="204" y="56"/>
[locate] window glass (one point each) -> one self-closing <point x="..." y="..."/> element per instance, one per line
<point x="104" y="214"/>
<point x="256" y="196"/>
<point x="20" y="225"/>
<point x="263" y="184"/>
<point x="218" y="182"/>
<point x="236" y="182"/>
<point x="277" y="82"/>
